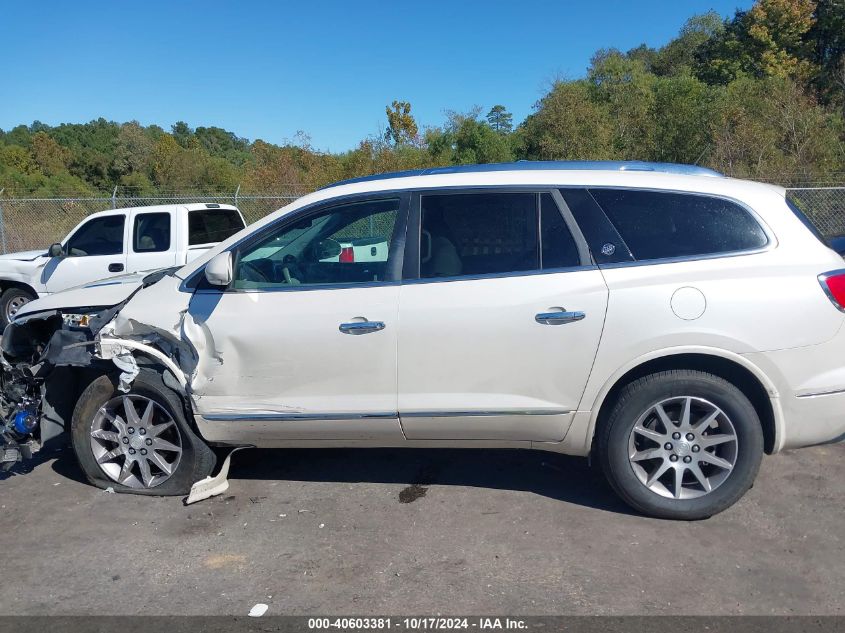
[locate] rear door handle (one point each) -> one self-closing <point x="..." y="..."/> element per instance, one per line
<point x="361" y="327"/>
<point x="558" y="318"/>
<point x="115" y="268"/>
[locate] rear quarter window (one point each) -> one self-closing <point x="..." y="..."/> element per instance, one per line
<point x="212" y="225"/>
<point x="664" y="225"/>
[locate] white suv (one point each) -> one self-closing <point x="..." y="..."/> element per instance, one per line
<point x="674" y="323"/>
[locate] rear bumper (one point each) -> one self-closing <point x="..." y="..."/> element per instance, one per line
<point x="814" y="419"/>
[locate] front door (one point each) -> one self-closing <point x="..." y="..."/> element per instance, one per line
<point x="500" y="328"/>
<point x="95" y="250"/>
<point x="302" y="345"/>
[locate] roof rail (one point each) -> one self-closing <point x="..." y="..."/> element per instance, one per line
<point x="549" y="165"/>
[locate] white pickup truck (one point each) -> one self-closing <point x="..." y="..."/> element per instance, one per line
<point x="112" y="243"/>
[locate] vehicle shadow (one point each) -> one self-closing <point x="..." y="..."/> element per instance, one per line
<point x="560" y="477"/>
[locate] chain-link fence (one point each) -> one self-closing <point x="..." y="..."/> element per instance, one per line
<point x="35" y="223"/>
<point x="825" y="206"/>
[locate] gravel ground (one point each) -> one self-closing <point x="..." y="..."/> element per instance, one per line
<point x="420" y="532"/>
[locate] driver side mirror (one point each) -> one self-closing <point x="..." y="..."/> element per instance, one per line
<point x="218" y="270"/>
<point x="56" y="250"/>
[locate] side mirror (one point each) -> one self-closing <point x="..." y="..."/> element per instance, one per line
<point x="56" y="250"/>
<point x="218" y="270"/>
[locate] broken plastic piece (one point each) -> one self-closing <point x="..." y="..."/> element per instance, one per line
<point x="258" y="610"/>
<point x="125" y="362"/>
<point x="212" y="486"/>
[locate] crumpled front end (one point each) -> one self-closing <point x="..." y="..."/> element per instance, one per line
<point x="48" y="356"/>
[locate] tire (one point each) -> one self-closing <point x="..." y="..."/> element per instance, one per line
<point x="103" y="434"/>
<point x="11" y="301"/>
<point x="632" y="460"/>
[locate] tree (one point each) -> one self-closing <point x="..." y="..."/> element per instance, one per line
<point x="51" y="158"/>
<point x="567" y="125"/>
<point x="625" y="88"/>
<point x="828" y="36"/>
<point x="500" y="119"/>
<point x="401" y="126"/>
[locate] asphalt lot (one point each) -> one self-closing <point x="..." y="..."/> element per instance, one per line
<point x="420" y="532"/>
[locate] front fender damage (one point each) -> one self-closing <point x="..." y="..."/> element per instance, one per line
<point x="38" y="346"/>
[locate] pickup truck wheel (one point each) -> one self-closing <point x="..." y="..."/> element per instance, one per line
<point x="12" y="300"/>
<point x="137" y="442"/>
<point x="681" y="444"/>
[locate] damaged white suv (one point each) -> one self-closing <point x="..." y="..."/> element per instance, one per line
<point x="674" y="323"/>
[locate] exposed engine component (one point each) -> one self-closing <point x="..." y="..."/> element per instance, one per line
<point x="19" y="415"/>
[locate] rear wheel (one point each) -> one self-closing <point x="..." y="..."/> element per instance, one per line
<point x="681" y="444"/>
<point x="139" y="441"/>
<point x="12" y="300"/>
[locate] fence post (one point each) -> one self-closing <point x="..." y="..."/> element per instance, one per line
<point x="237" y="191"/>
<point x="114" y="198"/>
<point x="2" y="224"/>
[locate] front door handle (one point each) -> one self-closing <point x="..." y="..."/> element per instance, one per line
<point x="115" y="268"/>
<point x="361" y="327"/>
<point x="558" y="318"/>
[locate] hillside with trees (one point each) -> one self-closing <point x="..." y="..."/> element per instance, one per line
<point x="759" y="95"/>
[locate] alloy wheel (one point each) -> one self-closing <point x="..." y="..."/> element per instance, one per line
<point x="683" y="447"/>
<point x="135" y="441"/>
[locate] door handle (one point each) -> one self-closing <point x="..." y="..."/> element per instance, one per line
<point x="115" y="268"/>
<point x="558" y="318"/>
<point x="361" y="327"/>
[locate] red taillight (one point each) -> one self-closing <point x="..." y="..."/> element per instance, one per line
<point x="347" y="255"/>
<point x="833" y="284"/>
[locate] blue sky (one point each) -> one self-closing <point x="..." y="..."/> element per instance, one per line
<point x="267" y="69"/>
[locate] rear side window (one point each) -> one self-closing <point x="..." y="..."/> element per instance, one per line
<point x="661" y="225"/>
<point x="212" y="225"/>
<point x="151" y="233"/>
<point x="492" y="233"/>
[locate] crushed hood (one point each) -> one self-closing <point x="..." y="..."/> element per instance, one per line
<point x="103" y="293"/>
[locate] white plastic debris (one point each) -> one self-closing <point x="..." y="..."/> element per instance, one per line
<point x="212" y="486"/>
<point x="109" y="490"/>
<point x="125" y="362"/>
<point x="258" y="610"/>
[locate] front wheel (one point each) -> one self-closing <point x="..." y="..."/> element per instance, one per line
<point x="681" y="444"/>
<point x="140" y="441"/>
<point x="12" y="300"/>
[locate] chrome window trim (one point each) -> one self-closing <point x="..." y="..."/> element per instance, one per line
<point x="771" y="239"/>
<point x="518" y="273"/>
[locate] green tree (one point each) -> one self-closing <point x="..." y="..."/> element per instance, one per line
<point x="500" y="119"/>
<point x="401" y="125"/>
<point x="567" y="125"/>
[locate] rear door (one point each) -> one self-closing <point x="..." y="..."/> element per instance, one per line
<point x="152" y="244"/>
<point x="501" y="312"/>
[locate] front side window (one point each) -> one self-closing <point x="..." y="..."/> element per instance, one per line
<point x="346" y="244"/>
<point x="492" y="233"/>
<point x="99" y="236"/>
<point x="662" y="225"/>
<point x="151" y="233"/>
<point x="207" y="226"/>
